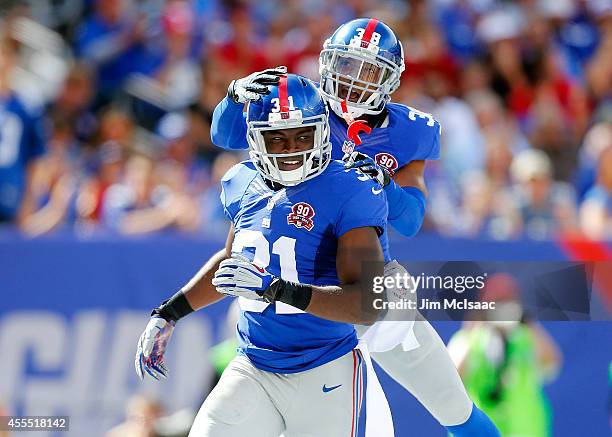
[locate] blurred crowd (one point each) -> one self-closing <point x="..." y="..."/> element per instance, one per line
<point x="106" y="105"/>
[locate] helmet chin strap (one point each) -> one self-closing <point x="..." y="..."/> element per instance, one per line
<point x="355" y="127"/>
<point x="336" y="107"/>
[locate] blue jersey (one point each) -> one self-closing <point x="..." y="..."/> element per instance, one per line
<point x="405" y="135"/>
<point x="293" y="233"/>
<point x="21" y="140"/>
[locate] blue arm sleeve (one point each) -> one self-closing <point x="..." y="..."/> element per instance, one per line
<point x="228" y="128"/>
<point x="406" y="208"/>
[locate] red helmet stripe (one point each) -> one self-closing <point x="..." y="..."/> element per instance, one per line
<point x="369" y="30"/>
<point x="283" y="94"/>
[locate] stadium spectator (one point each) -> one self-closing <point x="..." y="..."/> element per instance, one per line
<point x="106" y="168"/>
<point x="54" y="183"/>
<point x="304" y="45"/>
<point x="463" y="148"/>
<point x="240" y="52"/>
<point x="547" y="208"/>
<point x="21" y="144"/>
<point x="179" y="146"/>
<point x="596" y="210"/>
<point x="597" y="139"/>
<point x="551" y="134"/>
<point x="141" y="414"/>
<point x="214" y="85"/>
<point x="73" y="103"/>
<point x="501" y="31"/>
<point x="457" y="21"/>
<point x="494" y="120"/>
<point x="505" y="361"/>
<point x="599" y="66"/>
<point x="113" y="41"/>
<point x="486" y="211"/>
<point x="117" y="126"/>
<point x="140" y="205"/>
<point x="173" y="81"/>
<point x="179" y="73"/>
<point x="200" y="119"/>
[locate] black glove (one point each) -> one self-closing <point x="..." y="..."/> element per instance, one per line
<point x="367" y="166"/>
<point x="254" y="85"/>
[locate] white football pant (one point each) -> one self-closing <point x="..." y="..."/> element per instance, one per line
<point x="427" y="372"/>
<point x="320" y="402"/>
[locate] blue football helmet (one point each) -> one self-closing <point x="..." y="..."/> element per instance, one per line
<point x="362" y="62"/>
<point x="294" y="103"/>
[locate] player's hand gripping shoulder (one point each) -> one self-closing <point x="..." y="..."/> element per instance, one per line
<point x="368" y="166"/>
<point x="239" y="277"/>
<point x="254" y="85"/>
<point x="152" y="346"/>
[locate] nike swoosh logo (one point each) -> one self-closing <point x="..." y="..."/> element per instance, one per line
<point x="328" y="389"/>
<point x="375" y="191"/>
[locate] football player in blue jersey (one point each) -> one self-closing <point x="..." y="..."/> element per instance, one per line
<point x="360" y="67"/>
<point x="297" y="218"/>
<point x="21" y="145"/>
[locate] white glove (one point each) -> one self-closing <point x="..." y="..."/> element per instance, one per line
<point x="398" y="291"/>
<point x="151" y="348"/>
<point x="239" y="277"/>
<point x="254" y="85"/>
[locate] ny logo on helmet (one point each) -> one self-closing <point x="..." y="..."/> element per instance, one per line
<point x="371" y="42"/>
<point x="301" y="216"/>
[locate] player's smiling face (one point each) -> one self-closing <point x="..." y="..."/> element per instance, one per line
<point x="293" y="140"/>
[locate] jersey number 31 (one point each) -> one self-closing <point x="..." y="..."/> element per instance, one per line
<point x="284" y="247"/>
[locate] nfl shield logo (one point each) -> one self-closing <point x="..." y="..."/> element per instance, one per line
<point x="348" y="146"/>
<point x="301" y="216"/>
